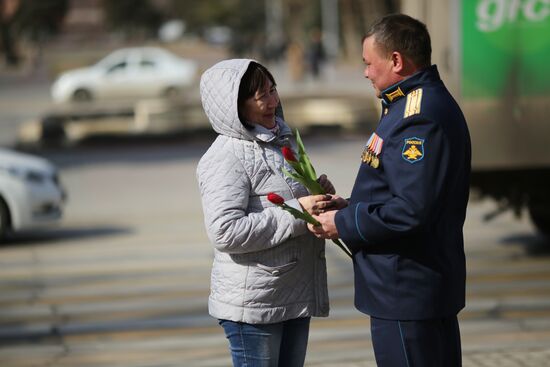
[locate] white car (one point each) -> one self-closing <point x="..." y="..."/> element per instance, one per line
<point x="128" y="73"/>
<point x="31" y="195"/>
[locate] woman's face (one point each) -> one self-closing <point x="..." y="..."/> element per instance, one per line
<point x="260" y="108"/>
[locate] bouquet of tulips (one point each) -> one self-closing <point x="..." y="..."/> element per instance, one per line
<point x="304" y="171"/>
<point x="305" y="174"/>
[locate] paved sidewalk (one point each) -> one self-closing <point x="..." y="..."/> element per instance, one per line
<point x="496" y="358"/>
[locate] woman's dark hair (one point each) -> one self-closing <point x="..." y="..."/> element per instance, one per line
<point x="253" y="80"/>
<point x="402" y="33"/>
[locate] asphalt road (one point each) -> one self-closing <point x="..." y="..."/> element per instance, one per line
<point x="123" y="281"/>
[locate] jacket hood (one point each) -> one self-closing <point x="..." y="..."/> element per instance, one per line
<point x="219" y="88"/>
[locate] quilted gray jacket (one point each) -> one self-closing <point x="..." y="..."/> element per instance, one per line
<point x="267" y="266"/>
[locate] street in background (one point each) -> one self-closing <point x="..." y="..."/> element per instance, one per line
<point x="124" y="280"/>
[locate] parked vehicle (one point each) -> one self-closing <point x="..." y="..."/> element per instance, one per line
<point x="31" y="195"/>
<point x="127" y="73"/>
<point x="494" y="56"/>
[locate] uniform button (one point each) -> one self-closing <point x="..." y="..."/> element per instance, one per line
<point x="322" y="255"/>
<point x="275" y="272"/>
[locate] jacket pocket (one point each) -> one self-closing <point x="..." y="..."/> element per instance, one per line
<point x="277" y="270"/>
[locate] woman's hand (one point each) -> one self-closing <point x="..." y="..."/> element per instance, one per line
<point x="326" y="184"/>
<point x="315" y="204"/>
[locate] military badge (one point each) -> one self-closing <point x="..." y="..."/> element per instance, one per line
<point x="395" y="94"/>
<point x="413" y="150"/>
<point x="372" y="150"/>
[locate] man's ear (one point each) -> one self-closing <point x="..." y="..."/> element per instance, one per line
<point x="398" y="63"/>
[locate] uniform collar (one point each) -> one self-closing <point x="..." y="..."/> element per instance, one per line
<point x="400" y="90"/>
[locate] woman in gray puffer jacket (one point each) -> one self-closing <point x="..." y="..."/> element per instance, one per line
<point x="269" y="271"/>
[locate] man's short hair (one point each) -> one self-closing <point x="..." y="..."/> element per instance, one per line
<point x="404" y="34"/>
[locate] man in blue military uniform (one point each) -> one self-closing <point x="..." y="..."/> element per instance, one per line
<point x="405" y="216"/>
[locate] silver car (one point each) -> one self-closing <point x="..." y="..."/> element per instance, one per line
<point x="31" y="195"/>
<point x="135" y="72"/>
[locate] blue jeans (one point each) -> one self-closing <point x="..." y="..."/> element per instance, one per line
<point x="268" y="345"/>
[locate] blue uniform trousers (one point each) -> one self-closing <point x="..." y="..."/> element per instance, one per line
<point x="419" y="343"/>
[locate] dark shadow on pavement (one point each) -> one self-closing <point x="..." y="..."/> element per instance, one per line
<point x="534" y="244"/>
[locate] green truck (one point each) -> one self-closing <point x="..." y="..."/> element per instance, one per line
<point x="494" y="56"/>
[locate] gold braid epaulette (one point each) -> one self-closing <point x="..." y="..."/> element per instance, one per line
<point x="414" y="101"/>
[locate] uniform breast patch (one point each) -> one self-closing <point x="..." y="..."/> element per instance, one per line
<point x="413" y="149"/>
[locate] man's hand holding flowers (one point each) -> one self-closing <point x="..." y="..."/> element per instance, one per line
<point x="327" y="228"/>
<point x="306" y="216"/>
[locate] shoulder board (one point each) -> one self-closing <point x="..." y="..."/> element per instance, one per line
<point x="414" y="101"/>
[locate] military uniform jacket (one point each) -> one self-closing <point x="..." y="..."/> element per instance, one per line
<point x="408" y="205"/>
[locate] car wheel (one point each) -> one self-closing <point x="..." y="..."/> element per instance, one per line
<point x="82" y="95"/>
<point x="4" y="220"/>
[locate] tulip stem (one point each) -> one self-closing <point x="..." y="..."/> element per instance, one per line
<point x="344" y="248"/>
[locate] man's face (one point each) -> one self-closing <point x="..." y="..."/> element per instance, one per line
<point x="378" y="67"/>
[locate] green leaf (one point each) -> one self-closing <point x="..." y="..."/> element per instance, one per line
<point x="304" y="159"/>
<point x="297" y="167"/>
<point x="305" y="173"/>
<point x="315" y="188"/>
<point x="343" y="247"/>
<point x="301" y="215"/>
<point x="296" y="177"/>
